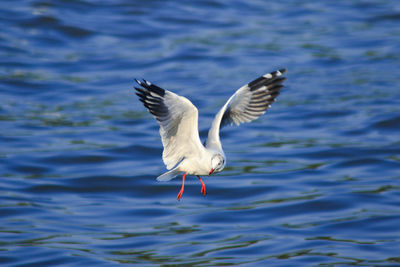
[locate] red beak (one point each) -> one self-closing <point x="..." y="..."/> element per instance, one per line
<point x="212" y="170"/>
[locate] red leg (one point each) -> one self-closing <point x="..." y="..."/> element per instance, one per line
<point x="182" y="188"/>
<point x="203" y="186"/>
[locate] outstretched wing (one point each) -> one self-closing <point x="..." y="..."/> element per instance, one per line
<point x="247" y="104"/>
<point x="178" y="119"/>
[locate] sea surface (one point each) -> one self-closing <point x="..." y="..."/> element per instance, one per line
<point x="314" y="182"/>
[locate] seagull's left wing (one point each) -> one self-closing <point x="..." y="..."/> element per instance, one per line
<point x="247" y="104"/>
<point x="178" y="119"/>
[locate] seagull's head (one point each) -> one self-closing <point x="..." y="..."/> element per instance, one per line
<point x="217" y="163"/>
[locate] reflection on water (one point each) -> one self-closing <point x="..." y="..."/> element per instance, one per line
<point x="314" y="182"/>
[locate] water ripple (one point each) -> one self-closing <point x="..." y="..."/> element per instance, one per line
<point x="314" y="182"/>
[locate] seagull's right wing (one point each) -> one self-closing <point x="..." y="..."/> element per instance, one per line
<point x="247" y="104"/>
<point x="178" y="119"/>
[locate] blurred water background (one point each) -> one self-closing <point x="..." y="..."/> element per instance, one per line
<point x="315" y="182"/>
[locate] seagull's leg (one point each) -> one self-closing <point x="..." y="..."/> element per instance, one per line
<point x="182" y="188"/>
<point x="203" y="186"/>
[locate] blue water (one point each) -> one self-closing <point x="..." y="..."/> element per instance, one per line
<point x="314" y="182"/>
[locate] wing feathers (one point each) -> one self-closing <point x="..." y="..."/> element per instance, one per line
<point x="261" y="93"/>
<point x="247" y="104"/>
<point x="177" y="117"/>
<point x="152" y="99"/>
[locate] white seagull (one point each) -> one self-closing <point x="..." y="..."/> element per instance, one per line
<point x="178" y="119"/>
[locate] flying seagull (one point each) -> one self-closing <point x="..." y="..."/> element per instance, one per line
<point x="178" y="119"/>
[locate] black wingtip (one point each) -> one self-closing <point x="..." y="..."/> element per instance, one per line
<point x="268" y="79"/>
<point x="150" y="87"/>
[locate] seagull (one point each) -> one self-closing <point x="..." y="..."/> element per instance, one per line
<point x="178" y="119"/>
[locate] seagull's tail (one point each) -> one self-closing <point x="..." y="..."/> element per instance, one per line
<point x="168" y="175"/>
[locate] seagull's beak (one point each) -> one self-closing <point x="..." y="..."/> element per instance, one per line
<point x="212" y="170"/>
